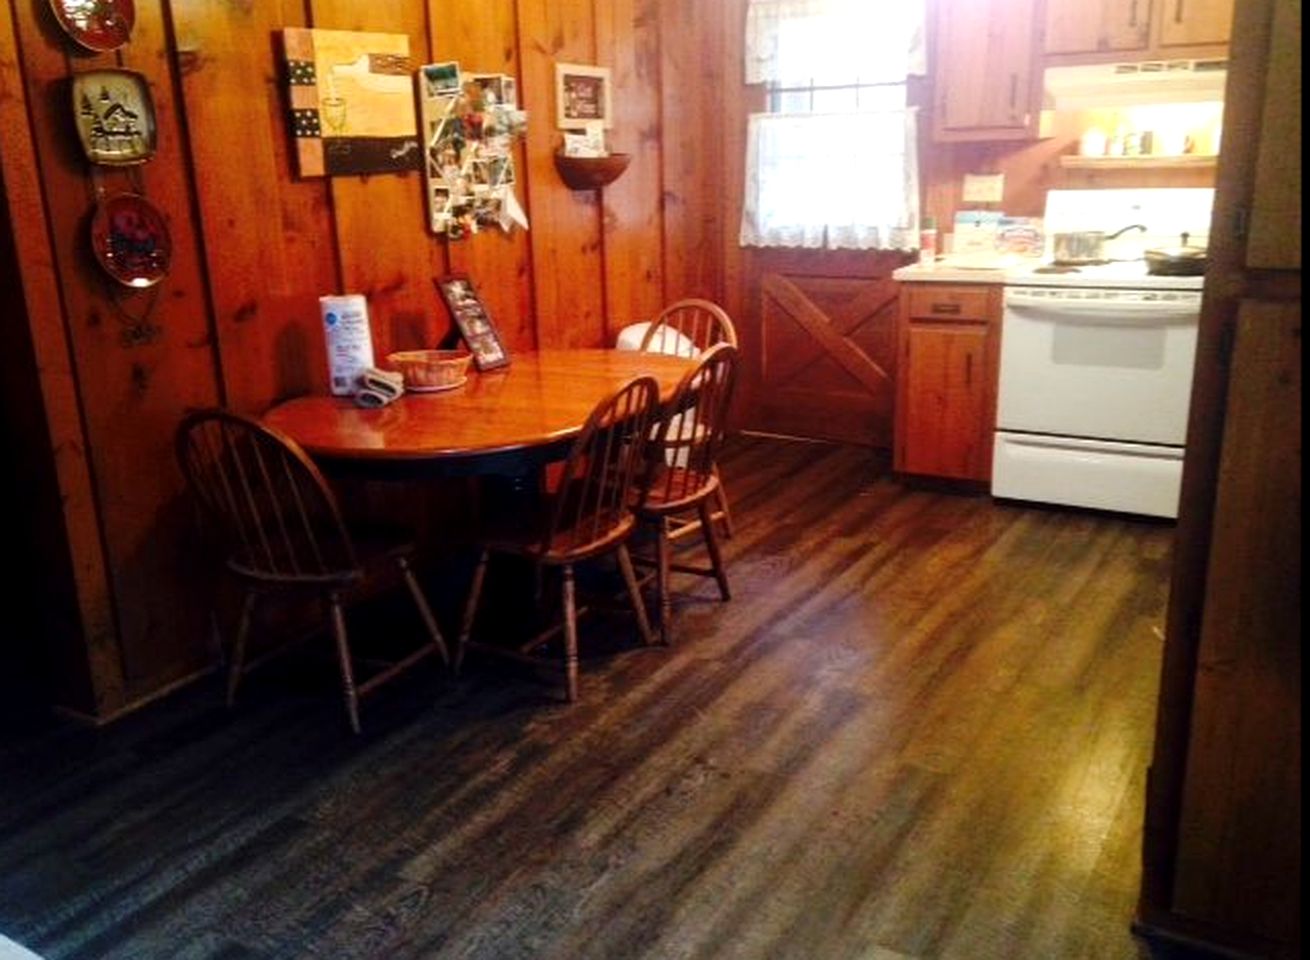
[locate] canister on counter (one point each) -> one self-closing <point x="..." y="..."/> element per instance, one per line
<point x="928" y="241"/>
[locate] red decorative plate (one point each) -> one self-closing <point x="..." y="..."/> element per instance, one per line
<point x="130" y="239"/>
<point x="98" y="25"/>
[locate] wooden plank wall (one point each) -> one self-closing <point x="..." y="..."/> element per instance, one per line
<point x="236" y="320"/>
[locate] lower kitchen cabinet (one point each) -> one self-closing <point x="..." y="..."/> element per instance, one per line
<point x="948" y="340"/>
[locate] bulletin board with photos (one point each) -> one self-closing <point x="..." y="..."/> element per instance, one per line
<point x="473" y="321"/>
<point x="470" y="123"/>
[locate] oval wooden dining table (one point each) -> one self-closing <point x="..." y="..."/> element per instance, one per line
<point x="503" y="421"/>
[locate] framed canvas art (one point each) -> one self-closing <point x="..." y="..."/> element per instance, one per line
<point x="352" y="102"/>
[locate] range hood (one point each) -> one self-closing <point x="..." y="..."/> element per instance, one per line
<point x="1132" y="84"/>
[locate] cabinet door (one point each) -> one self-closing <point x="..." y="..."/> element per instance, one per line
<point x="1075" y="26"/>
<point x="1195" y="22"/>
<point x="986" y="57"/>
<point x="945" y="427"/>
<point x="1125" y="24"/>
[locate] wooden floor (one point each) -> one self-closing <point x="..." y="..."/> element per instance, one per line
<point x="920" y="729"/>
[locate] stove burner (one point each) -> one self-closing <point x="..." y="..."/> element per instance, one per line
<point x="1055" y="268"/>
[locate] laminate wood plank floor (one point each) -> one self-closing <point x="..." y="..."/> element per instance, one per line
<point x="920" y="729"/>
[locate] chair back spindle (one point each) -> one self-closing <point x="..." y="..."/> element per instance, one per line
<point x="687" y="441"/>
<point x="688" y="324"/>
<point x="595" y="493"/>
<point x="264" y="499"/>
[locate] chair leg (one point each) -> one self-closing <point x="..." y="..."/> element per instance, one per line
<point x="470" y="609"/>
<point x="538" y="584"/>
<point x="721" y="496"/>
<point x="343" y="655"/>
<point x="239" y="645"/>
<point x="664" y="560"/>
<point x="570" y="636"/>
<point x="424" y="610"/>
<point x="634" y="592"/>
<point x="712" y="545"/>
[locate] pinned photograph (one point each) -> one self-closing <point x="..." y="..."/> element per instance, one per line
<point x="441" y="79"/>
<point x="491" y="171"/>
<point x="491" y="87"/>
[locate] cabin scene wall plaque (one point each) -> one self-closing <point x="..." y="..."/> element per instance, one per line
<point x="352" y="102"/>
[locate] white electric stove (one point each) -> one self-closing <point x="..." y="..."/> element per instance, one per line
<point x="1096" y="362"/>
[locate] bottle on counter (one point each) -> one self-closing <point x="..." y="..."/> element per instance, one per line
<point x="928" y="242"/>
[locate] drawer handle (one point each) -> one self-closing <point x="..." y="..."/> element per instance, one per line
<point x="1132" y="16"/>
<point x="1178" y="12"/>
<point x="1014" y="86"/>
<point x="950" y="308"/>
<point x="968" y="369"/>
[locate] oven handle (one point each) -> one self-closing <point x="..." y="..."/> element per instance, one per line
<point x="1105" y="312"/>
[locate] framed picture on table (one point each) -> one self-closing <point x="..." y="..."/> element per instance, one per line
<point x="473" y="322"/>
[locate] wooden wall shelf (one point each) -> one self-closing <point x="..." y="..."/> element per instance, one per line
<point x="591" y="173"/>
<point x="1187" y="162"/>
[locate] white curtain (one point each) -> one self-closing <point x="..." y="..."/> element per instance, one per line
<point x="793" y="42"/>
<point x="843" y="179"/>
<point x="834" y="180"/>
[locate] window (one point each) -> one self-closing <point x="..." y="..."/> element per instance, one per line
<point x="833" y="163"/>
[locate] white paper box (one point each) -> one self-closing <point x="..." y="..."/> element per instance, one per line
<point x="349" y="340"/>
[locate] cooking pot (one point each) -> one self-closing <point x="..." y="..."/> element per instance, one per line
<point x="1184" y="260"/>
<point x="1081" y="247"/>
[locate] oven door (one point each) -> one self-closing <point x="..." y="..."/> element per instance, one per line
<point x="1099" y="364"/>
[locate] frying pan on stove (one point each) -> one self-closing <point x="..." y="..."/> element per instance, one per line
<point x="1183" y="260"/>
<point x="1085" y="247"/>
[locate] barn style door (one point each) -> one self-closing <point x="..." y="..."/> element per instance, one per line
<point x="827" y="357"/>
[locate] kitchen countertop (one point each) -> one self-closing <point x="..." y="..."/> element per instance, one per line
<point x="967" y="268"/>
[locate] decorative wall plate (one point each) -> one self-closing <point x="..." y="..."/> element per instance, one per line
<point x="98" y="25"/>
<point x="130" y="239"/>
<point x="115" y="116"/>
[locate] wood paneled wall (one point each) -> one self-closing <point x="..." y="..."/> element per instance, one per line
<point x="236" y="320"/>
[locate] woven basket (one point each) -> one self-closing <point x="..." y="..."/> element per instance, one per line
<point x="430" y="369"/>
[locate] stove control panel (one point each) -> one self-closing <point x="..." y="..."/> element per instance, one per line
<point x="1108" y="295"/>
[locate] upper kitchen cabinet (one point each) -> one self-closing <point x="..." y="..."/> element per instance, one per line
<point x="987" y="76"/>
<point x="1185" y="23"/>
<point x="1079" y="31"/>
<point x="1079" y="26"/>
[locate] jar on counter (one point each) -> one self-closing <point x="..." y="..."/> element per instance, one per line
<point x="928" y="242"/>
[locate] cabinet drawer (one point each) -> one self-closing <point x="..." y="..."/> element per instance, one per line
<point x="942" y="302"/>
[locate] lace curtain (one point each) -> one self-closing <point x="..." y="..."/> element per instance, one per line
<point x="846" y="179"/>
<point x="793" y="42"/>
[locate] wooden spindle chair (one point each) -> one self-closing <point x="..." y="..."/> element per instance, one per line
<point x="280" y="528"/>
<point x="684" y="476"/>
<point x="588" y="513"/>
<point x="703" y="324"/>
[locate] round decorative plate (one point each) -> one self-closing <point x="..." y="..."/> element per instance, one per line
<point x="130" y="239"/>
<point x="97" y="25"/>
